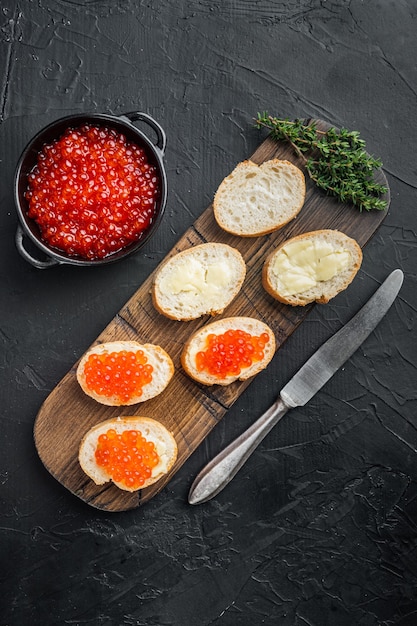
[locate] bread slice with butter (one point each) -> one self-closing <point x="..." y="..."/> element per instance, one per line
<point x="199" y="281"/>
<point x="151" y="430"/>
<point x="259" y="199"/>
<point x="312" y="267"/>
<point x="229" y="349"/>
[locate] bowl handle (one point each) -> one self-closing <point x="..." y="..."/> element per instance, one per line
<point x="135" y="116"/>
<point x="41" y="265"/>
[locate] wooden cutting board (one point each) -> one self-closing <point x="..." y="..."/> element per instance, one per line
<point x="188" y="409"/>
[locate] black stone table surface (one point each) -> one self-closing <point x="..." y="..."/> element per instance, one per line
<point x="320" y="526"/>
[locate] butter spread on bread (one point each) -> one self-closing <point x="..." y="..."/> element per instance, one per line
<point x="201" y="280"/>
<point x="191" y="277"/>
<point x="314" y="266"/>
<point x="302" y="264"/>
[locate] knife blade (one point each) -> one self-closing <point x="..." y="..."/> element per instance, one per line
<point x="309" y="379"/>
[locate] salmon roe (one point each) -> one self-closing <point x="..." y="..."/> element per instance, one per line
<point x="127" y="457"/>
<point x="120" y="374"/>
<point x="92" y="193"/>
<point x="227" y="354"/>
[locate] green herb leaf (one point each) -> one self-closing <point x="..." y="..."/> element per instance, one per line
<point x="338" y="162"/>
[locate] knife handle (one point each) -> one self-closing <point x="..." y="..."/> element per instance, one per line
<point x="223" y="467"/>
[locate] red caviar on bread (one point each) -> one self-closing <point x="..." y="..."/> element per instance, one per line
<point x="124" y="372"/>
<point x="233" y="348"/>
<point x="132" y="452"/>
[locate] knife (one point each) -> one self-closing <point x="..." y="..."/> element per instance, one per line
<point x="319" y="368"/>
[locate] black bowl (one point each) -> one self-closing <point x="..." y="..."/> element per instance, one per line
<point x="122" y="124"/>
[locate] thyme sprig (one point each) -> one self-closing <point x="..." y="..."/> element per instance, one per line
<point x="336" y="160"/>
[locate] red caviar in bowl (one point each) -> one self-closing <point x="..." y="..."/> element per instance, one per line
<point x="227" y="354"/>
<point x="92" y="192"/>
<point x="126" y="457"/>
<point x="120" y="374"/>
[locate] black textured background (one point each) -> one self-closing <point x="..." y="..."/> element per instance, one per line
<point x="320" y="527"/>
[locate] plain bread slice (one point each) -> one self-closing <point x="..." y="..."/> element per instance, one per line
<point x="259" y="199"/>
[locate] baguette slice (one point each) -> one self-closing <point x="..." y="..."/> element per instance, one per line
<point x="202" y="280"/>
<point x="198" y="342"/>
<point x="314" y="266"/>
<point x="258" y="199"/>
<point x="163" y="370"/>
<point x="150" y="429"/>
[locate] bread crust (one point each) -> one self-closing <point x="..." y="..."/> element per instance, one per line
<point x="327" y="289"/>
<point x="163" y="370"/>
<point x="172" y="305"/>
<point x="274" y="212"/>
<point x="150" y="428"/>
<point x="197" y="342"/>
